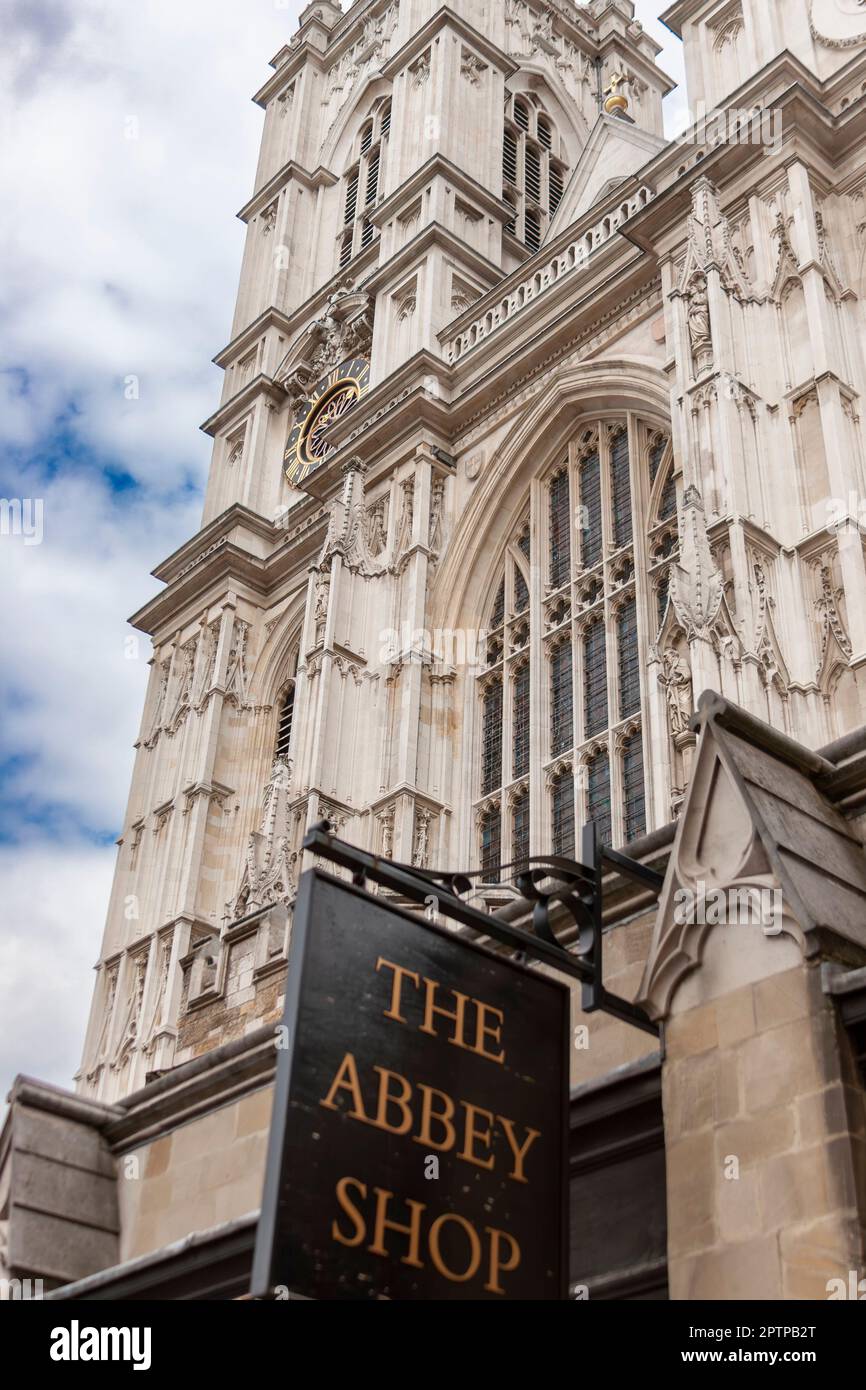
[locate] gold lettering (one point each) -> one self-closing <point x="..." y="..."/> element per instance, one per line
<point x="413" y="1231"/>
<point x="352" y="1211"/>
<point x="352" y="1085"/>
<point x="493" y="1285"/>
<point x="436" y="1253"/>
<point x="443" y="1117"/>
<point x="399" y="972"/>
<point x="386" y="1099"/>
<point x="471" y="1134"/>
<point x="431" y="1008"/>
<point x="519" y="1153"/>
<point x="484" y="1030"/>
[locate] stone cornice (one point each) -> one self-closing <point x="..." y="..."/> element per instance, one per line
<point x="297" y="58"/>
<point x="193" y="1089"/>
<point x="440" y="167"/>
<point x="320" y="177"/>
<point x="241" y="401"/>
<point x="537" y="280"/>
<point x="423" y="38"/>
<point x="269" y="318"/>
<point x="434" y="234"/>
<point x="233" y="517"/>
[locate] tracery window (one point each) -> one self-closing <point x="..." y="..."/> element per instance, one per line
<point x="534" y="169"/>
<point x="362" y="185"/>
<point x="563" y="716"/>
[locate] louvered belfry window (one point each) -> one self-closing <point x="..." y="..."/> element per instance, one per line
<point x="284" y="723"/>
<point x="565" y="714"/>
<point x="534" y="170"/>
<point x="362" y="186"/>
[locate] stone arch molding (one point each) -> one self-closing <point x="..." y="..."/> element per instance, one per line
<point x="268" y="676"/>
<point x="337" y="144"/>
<point x="536" y="80"/>
<point x="529" y="451"/>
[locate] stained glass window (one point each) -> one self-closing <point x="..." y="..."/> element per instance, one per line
<point x="668" y="499"/>
<point x="656" y="454"/>
<point x="521" y="593"/>
<point x="520" y="828"/>
<point x="633" y="787"/>
<point x="561" y="699"/>
<point x="562" y="815"/>
<point x="590" y="510"/>
<point x="497" y="617"/>
<point x="594" y="679"/>
<point x="629" y="659"/>
<point x="491" y="844"/>
<point x="491" y="774"/>
<point x="560" y="530"/>
<point x="598" y="796"/>
<point x="585" y="619"/>
<point x="662" y="594"/>
<point x="520" y="722"/>
<point x="620" y="487"/>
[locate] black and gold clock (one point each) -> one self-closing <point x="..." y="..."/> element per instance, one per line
<point x="308" y="447"/>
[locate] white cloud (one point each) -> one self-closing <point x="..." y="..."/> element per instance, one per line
<point x="54" y="899"/>
<point x="130" y="141"/>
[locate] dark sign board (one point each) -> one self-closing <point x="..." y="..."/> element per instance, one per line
<point x="418" y="1140"/>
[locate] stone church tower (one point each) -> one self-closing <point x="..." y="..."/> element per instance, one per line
<point x="534" y="426"/>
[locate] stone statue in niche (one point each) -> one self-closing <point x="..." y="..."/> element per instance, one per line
<point x="323" y="589"/>
<point x="698" y="319"/>
<point x="677" y="681"/>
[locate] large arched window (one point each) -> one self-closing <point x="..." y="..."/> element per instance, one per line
<point x="573" y="610"/>
<point x="534" y="169"/>
<point x="362" y="184"/>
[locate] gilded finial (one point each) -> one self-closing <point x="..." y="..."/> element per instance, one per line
<point x="615" y="100"/>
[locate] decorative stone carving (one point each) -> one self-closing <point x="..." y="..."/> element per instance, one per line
<point x="236" y="674"/>
<point x="421" y="837"/>
<point x="268" y="875"/>
<point x="472" y="67"/>
<point x="347" y="525"/>
<point x="345" y="330"/>
<point x="159" y="704"/>
<point x="376" y="527"/>
<point x="697" y="590"/>
<point x="835" y="642"/>
<point x="838" y="24"/>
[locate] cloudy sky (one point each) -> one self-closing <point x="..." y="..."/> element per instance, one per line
<point x="127" y="143"/>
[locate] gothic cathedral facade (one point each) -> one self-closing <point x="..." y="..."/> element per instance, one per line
<point x="535" y="425"/>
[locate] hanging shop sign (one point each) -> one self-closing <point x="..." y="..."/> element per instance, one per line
<point x="418" y="1140"/>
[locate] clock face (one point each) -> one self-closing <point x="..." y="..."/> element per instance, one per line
<point x="308" y="447"/>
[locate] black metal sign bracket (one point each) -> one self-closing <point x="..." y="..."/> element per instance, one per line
<point x="550" y="883"/>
